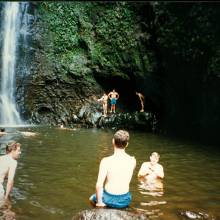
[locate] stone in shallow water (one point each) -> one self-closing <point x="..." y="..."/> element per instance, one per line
<point x="108" y="214"/>
<point x="195" y="215"/>
<point x="7" y="215"/>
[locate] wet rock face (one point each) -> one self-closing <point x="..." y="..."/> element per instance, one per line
<point x="91" y="116"/>
<point x="136" y="120"/>
<point x="52" y="93"/>
<point x="50" y="99"/>
<point x="106" y="214"/>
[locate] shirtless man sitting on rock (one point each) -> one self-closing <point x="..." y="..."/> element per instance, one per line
<point x="116" y="172"/>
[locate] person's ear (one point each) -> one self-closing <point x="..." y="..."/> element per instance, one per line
<point x="113" y="141"/>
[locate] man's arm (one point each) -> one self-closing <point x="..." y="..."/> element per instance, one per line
<point x="100" y="182"/>
<point x="158" y="172"/>
<point x="117" y="96"/>
<point x="135" y="162"/>
<point x="10" y="182"/>
<point x="101" y="99"/>
<point x="144" y="170"/>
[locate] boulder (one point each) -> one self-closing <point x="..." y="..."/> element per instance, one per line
<point x="106" y="214"/>
<point x="195" y="215"/>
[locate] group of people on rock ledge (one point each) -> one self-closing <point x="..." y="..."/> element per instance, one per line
<point x="114" y="96"/>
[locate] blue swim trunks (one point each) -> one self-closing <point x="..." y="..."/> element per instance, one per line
<point x="114" y="201"/>
<point x="113" y="101"/>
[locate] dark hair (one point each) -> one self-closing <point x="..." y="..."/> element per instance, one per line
<point x="12" y="145"/>
<point x="2" y="130"/>
<point x="121" y="138"/>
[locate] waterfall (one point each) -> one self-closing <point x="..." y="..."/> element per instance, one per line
<point x="11" y="26"/>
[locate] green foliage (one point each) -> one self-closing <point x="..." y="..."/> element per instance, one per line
<point x="214" y="64"/>
<point x="186" y="29"/>
<point x="102" y="32"/>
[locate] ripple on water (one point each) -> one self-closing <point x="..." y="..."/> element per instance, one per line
<point x="51" y="210"/>
<point x="152" y="214"/>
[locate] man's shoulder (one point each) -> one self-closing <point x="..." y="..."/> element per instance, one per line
<point x="8" y="160"/>
<point x="13" y="162"/>
<point x="105" y="159"/>
<point x="159" y="166"/>
<point x="146" y="163"/>
<point x="132" y="157"/>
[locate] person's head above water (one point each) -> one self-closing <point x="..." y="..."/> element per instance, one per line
<point x="154" y="157"/>
<point x="2" y="130"/>
<point x="120" y="139"/>
<point x="13" y="148"/>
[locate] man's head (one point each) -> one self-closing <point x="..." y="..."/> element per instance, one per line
<point x="154" y="158"/>
<point x="14" y="149"/>
<point x="2" y="129"/>
<point x="120" y="139"/>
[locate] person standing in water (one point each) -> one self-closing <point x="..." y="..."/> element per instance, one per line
<point x="152" y="170"/>
<point x="8" y="165"/>
<point x="2" y="132"/>
<point x="113" y="96"/>
<point x="141" y="97"/>
<point x="116" y="172"/>
<point x="104" y="101"/>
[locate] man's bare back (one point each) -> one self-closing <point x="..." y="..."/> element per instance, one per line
<point x="119" y="168"/>
<point x="115" y="173"/>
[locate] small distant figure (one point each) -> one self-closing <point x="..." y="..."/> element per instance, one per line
<point x="152" y="170"/>
<point x="8" y="165"/>
<point x="104" y="101"/>
<point x="113" y="96"/>
<point x="28" y="133"/>
<point x="141" y="97"/>
<point x="116" y="172"/>
<point x="2" y="132"/>
<point x="61" y="126"/>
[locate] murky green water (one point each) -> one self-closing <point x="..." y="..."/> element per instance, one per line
<point x="57" y="173"/>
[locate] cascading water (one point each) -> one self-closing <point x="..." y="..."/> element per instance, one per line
<point x="12" y="15"/>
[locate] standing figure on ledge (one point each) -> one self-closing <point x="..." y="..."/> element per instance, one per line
<point x="104" y="101"/>
<point x="141" y="97"/>
<point x="113" y="96"/>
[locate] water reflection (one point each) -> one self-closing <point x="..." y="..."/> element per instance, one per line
<point x="151" y="187"/>
<point x="150" y="190"/>
<point x="46" y="208"/>
<point x="5" y="211"/>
